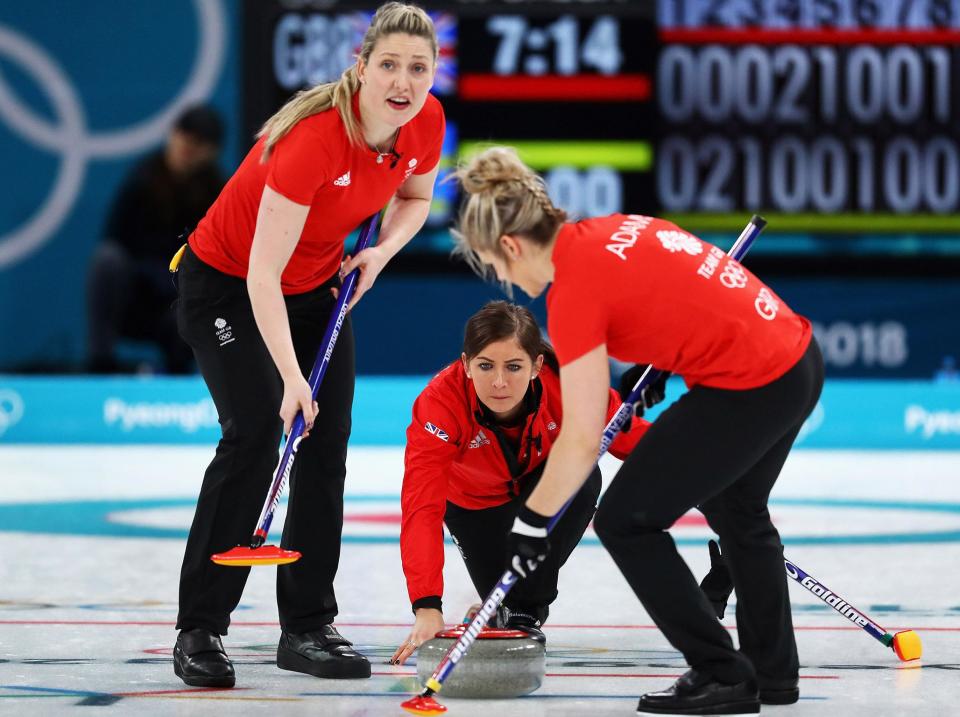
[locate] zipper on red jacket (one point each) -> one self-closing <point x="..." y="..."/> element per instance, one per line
<point x="512" y="459"/>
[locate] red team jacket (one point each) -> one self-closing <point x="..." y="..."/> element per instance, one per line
<point x="453" y="454"/>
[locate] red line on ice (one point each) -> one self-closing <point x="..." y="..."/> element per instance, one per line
<point x="551" y="626"/>
<point x="157" y="693"/>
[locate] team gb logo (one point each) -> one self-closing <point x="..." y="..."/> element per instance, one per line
<point x="675" y="241"/>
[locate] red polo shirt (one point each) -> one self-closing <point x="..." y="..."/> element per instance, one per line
<point x="315" y="164"/>
<point x="656" y="294"/>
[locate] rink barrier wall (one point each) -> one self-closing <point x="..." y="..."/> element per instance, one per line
<point x="889" y="414"/>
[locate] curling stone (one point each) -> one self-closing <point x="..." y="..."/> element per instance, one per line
<point x="501" y="663"/>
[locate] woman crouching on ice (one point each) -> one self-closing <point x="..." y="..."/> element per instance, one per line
<point x="478" y="442"/>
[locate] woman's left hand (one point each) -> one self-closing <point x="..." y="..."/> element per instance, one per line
<point x="371" y="262"/>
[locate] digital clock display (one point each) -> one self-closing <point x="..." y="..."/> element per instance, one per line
<point x="571" y="92"/>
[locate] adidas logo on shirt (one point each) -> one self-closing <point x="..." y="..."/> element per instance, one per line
<point x="479" y="440"/>
<point x="343" y="181"/>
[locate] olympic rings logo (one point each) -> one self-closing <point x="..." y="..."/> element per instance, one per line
<point x="69" y="136"/>
<point x="11" y="409"/>
<point x="734" y="276"/>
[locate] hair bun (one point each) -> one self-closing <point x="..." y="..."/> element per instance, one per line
<point x="491" y="167"/>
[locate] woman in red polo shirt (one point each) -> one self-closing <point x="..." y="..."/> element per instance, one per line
<point x="257" y="287"/>
<point x="481" y="433"/>
<point x="645" y="291"/>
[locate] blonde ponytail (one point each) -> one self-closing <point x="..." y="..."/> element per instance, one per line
<point x="317" y="99"/>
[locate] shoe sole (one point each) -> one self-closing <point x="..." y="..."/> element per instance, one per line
<point x="724" y="708"/>
<point x="779" y="697"/>
<point x="289" y="660"/>
<point x="542" y="639"/>
<point x="203" y="681"/>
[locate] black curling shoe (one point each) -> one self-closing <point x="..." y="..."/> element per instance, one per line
<point x="698" y="694"/>
<point x="200" y="660"/>
<point x="321" y="653"/>
<point x="784" y="691"/>
<point x="525" y="623"/>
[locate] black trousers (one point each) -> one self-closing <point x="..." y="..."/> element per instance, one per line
<point x="215" y="317"/>
<point x="481" y="536"/>
<point x="722" y="451"/>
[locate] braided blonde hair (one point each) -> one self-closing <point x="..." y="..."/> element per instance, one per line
<point x="505" y="197"/>
<point x="391" y="17"/>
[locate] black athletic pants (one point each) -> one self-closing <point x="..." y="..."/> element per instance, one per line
<point x="481" y="536"/>
<point x="215" y="317"/>
<point x="722" y="451"/>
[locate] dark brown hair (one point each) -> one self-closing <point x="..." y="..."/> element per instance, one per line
<point x="499" y="320"/>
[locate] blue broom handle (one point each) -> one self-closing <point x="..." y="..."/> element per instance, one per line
<point x="334" y="325"/>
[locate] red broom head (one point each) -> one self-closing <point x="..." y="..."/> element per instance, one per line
<point x="421" y="705"/>
<point x="241" y="556"/>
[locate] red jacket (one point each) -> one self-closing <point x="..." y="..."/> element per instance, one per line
<point x="453" y="453"/>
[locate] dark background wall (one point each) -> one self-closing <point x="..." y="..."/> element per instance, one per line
<point x="87" y="88"/>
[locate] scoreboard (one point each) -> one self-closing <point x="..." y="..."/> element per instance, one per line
<point x="828" y="115"/>
<point x="837" y="119"/>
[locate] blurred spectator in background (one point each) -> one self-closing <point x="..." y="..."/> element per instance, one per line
<point x="129" y="290"/>
<point x="947" y="373"/>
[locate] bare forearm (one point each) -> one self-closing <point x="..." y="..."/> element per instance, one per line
<point x="402" y="220"/>
<point x="570" y="462"/>
<point x="270" y="312"/>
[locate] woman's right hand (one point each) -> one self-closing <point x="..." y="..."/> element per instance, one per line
<point x="428" y="623"/>
<point x="297" y="396"/>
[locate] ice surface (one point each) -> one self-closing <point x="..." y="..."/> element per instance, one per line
<point x="93" y="538"/>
